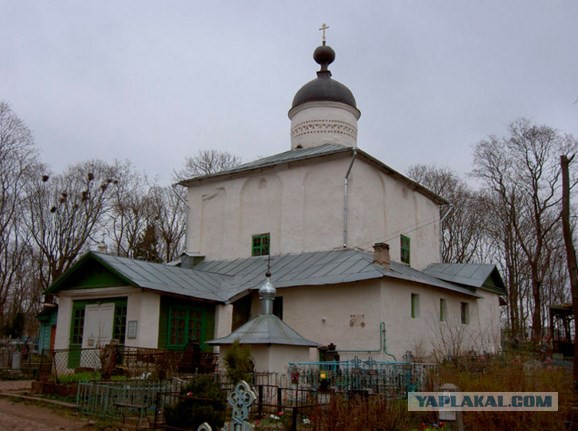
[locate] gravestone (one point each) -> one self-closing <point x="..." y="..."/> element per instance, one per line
<point x="241" y="399"/>
<point x="452" y="418"/>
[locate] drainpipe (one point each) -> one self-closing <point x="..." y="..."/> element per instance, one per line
<point x="345" y="197"/>
<point x="382" y="344"/>
<point x="450" y="209"/>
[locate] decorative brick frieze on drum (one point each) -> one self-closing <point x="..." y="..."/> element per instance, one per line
<point x="324" y="126"/>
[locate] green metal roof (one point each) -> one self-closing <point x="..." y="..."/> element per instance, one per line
<point x="227" y="280"/>
<point x="316" y="268"/>
<point x="476" y="275"/>
<point x="265" y="329"/>
<point x="148" y="275"/>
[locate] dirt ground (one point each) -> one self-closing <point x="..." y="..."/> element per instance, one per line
<point x="28" y="416"/>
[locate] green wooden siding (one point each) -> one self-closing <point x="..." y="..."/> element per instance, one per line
<point x="93" y="275"/>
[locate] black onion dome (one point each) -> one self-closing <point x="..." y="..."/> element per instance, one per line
<point x="324" y="88"/>
<point x="324" y="55"/>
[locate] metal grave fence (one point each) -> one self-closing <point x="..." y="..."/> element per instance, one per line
<point x="274" y="407"/>
<point x="394" y="379"/>
<point x="120" y="399"/>
<point x="131" y="362"/>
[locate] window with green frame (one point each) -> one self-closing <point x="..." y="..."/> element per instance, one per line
<point x="260" y="244"/>
<point x="185" y="323"/>
<point x="404" y="249"/>
<point x="414" y="305"/>
<point x="443" y="310"/>
<point x="77" y="325"/>
<point x="119" y="327"/>
<point x="465" y="312"/>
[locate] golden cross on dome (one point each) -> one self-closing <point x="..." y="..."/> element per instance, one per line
<point x="323" y="28"/>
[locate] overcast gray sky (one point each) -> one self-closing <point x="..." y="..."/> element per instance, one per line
<point x="154" y="81"/>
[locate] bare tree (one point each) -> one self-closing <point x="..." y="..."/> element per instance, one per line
<point x="522" y="173"/>
<point x="139" y="209"/>
<point x="206" y="162"/>
<point x="131" y="211"/>
<point x="18" y="160"/>
<point x="170" y="219"/>
<point x="146" y="248"/>
<point x="66" y="211"/>
<point x="462" y="222"/>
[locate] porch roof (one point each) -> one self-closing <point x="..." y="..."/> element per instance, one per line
<point x="148" y="275"/>
<point x="476" y="275"/>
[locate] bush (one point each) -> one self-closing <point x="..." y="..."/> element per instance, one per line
<point x="238" y="363"/>
<point x="511" y="374"/>
<point x="202" y="400"/>
<point x="374" y="412"/>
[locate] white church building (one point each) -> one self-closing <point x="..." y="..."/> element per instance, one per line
<point x="353" y="248"/>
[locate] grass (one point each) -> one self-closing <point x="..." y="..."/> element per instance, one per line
<point x="511" y="375"/>
<point x="86" y="376"/>
<point x="491" y="375"/>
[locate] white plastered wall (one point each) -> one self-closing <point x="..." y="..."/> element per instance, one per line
<point x="323" y="122"/>
<point x="382" y="208"/>
<point x="144" y="308"/>
<point x="63" y="322"/>
<point x="223" y="320"/>
<point x="328" y="314"/>
<point x="302" y="207"/>
<point x="274" y="358"/>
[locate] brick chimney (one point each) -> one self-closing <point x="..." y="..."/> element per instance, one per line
<point x="381" y="254"/>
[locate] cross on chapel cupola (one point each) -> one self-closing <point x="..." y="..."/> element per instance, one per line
<point x="323" y="28"/>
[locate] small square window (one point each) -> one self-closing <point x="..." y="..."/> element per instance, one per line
<point x="404" y="248"/>
<point x="465" y="312"/>
<point x="260" y="246"/>
<point x="414" y="305"/>
<point x="443" y="310"/>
